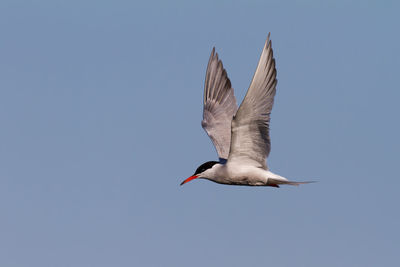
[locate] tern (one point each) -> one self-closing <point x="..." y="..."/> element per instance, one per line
<point x="240" y="135"/>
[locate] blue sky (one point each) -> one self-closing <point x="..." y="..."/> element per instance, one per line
<point x="100" y="110"/>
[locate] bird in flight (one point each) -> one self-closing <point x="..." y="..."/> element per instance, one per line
<point x="240" y="135"/>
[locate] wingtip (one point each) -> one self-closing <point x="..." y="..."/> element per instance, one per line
<point x="268" y="41"/>
<point x="212" y="52"/>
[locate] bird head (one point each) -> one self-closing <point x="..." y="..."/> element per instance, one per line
<point x="202" y="171"/>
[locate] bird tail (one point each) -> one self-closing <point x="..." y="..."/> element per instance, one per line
<point x="276" y="182"/>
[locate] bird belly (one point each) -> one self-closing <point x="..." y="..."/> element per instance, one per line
<point x="243" y="175"/>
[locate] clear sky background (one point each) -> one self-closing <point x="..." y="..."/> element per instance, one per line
<point x="100" y="110"/>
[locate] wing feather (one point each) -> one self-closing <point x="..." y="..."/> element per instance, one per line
<point x="219" y="106"/>
<point x="251" y="142"/>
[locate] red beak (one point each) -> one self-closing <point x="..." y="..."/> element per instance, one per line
<point x="189" y="179"/>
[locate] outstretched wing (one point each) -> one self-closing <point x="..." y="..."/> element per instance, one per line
<point x="251" y="143"/>
<point x="219" y="106"/>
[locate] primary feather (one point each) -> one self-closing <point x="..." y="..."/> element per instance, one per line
<point x="251" y="142"/>
<point x="219" y="106"/>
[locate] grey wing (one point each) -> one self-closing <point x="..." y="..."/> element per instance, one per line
<point x="219" y="106"/>
<point x="251" y="142"/>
